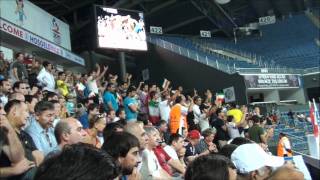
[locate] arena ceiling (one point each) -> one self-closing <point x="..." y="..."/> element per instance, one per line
<point x="185" y="17"/>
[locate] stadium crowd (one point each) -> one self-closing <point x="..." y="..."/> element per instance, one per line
<point x="65" y="125"/>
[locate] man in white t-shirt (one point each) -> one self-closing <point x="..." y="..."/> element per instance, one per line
<point x="175" y="144"/>
<point x="165" y="107"/>
<point x="151" y="168"/>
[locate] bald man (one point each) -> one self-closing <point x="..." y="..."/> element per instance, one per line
<point x="136" y="129"/>
<point x="286" y="172"/>
<point x="69" y="131"/>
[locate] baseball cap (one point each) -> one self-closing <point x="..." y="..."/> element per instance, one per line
<point x="250" y="157"/>
<point x="194" y="134"/>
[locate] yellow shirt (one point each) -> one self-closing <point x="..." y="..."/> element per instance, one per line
<point x="63" y="88"/>
<point x="236" y="113"/>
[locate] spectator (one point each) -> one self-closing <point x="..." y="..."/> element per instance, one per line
<point x="253" y="162"/>
<point x="178" y="116"/>
<point x="17" y="96"/>
<point x="81" y="162"/>
<point x="41" y="130"/>
<point x="57" y="112"/>
<point x="20" y="87"/>
<point x="200" y="117"/>
<point x="3" y="65"/>
<point x="68" y="131"/>
<point x="96" y="126"/>
<point x="18" y="71"/>
<point x="191" y="142"/>
<point x="240" y="140"/>
<point x="175" y="144"/>
<point x="124" y="148"/>
<point x="46" y="78"/>
<point x="13" y="161"/>
<point x="256" y="132"/>
<point x="286" y="173"/>
<point x="62" y="84"/>
<point x="31" y="102"/>
<point x="111" y="116"/>
<point x="131" y="105"/>
<point x="94" y="78"/>
<point x="284" y="147"/>
<point x="206" y="144"/>
<point x="222" y="135"/>
<point x="232" y="128"/>
<point x="137" y="130"/>
<point x="227" y="150"/>
<point x="143" y="97"/>
<point x="165" y="106"/>
<point x="213" y="167"/>
<point x="121" y="116"/>
<point x="92" y="111"/>
<point x="5" y="89"/>
<point x="164" y="133"/>
<point x="153" y="107"/>
<point x="151" y="169"/>
<point x="112" y="128"/>
<point x="109" y="98"/>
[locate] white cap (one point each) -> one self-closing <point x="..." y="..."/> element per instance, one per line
<point x="250" y="157"/>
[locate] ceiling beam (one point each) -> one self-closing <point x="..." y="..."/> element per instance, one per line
<point x="183" y="23"/>
<point x="211" y="19"/>
<point x="77" y="6"/>
<point x="161" y="6"/>
<point x="62" y="4"/>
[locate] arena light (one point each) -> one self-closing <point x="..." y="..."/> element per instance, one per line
<point x="222" y="1"/>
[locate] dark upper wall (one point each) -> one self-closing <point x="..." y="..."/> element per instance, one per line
<point x="188" y="73"/>
<point x="311" y="85"/>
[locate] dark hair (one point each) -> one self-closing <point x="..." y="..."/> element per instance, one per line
<point x="240" y="140"/>
<point x="152" y="94"/>
<point x="218" y="111"/>
<point x="161" y="122"/>
<point x="178" y="99"/>
<point x="110" y="84"/>
<point x="92" y="106"/>
<point x="54" y="101"/>
<point x="229" y="118"/>
<point x="18" y="54"/>
<point x="213" y="167"/>
<point x="111" y="129"/>
<point x="10" y="104"/>
<point x="119" y="144"/>
<point x="3" y="80"/>
<point x="50" y="95"/>
<point x="79" y="161"/>
<point x="45" y="64"/>
<point x="255" y="119"/>
<point x="174" y="138"/>
<point x="119" y="111"/>
<point x="29" y="98"/>
<point x="42" y="106"/>
<point x="61" y="73"/>
<point x="17" y="85"/>
<point x="227" y="150"/>
<point x="131" y="89"/>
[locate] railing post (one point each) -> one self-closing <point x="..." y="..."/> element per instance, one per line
<point x="207" y="60"/>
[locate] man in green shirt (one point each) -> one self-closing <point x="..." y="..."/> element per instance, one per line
<point x="256" y="132"/>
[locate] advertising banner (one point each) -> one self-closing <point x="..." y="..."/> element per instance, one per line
<point x="29" y="37"/>
<point x="30" y="17"/>
<point x="267" y="81"/>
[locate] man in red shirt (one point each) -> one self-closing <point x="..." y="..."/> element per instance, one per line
<point x="166" y="162"/>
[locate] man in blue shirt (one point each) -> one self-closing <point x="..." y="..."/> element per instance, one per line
<point x="109" y="99"/>
<point x="131" y="104"/>
<point x="41" y="130"/>
<point x="93" y="109"/>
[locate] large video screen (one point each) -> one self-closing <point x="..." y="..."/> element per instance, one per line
<point x="120" y="29"/>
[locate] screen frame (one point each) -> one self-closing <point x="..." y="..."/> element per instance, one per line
<point x="95" y="6"/>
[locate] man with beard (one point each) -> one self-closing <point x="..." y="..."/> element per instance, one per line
<point x="124" y="148"/>
<point x="5" y="89"/>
